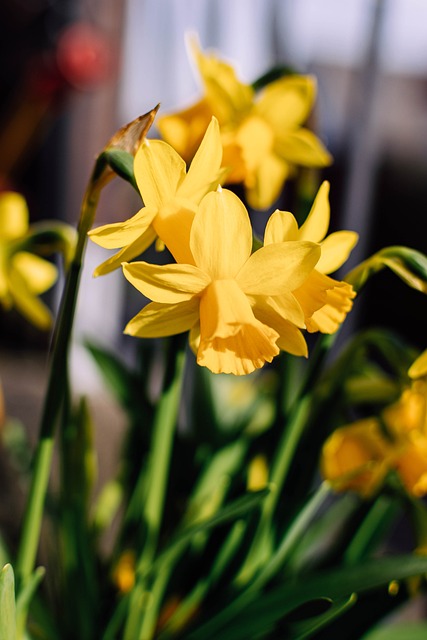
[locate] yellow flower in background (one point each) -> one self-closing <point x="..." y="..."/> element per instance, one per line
<point x="262" y="135"/>
<point x="171" y="196"/>
<point x="355" y="457"/>
<point x="223" y="295"/>
<point x="23" y="275"/>
<point x="325" y="301"/>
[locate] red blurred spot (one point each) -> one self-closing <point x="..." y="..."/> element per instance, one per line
<point x="83" y="56"/>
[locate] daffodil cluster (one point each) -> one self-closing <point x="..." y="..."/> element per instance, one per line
<point x="241" y="307"/>
<point x="359" y="456"/>
<point x="262" y="133"/>
<point x="23" y="275"/>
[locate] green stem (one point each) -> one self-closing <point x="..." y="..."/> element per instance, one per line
<point x="53" y="400"/>
<point x="156" y="482"/>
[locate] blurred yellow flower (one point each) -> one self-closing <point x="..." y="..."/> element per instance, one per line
<point x="355" y="457"/>
<point x="325" y="301"/>
<point x="23" y="275"/>
<point x="223" y="294"/>
<point x="171" y="197"/>
<point x="262" y="135"/>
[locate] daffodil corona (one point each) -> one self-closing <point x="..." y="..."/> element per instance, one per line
<point x="223" y="294"/>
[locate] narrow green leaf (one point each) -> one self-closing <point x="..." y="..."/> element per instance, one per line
<point x="305" y="629"/>
<point x="7" y="604"/>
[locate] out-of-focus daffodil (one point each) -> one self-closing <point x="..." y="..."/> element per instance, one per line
<point x="171" y="197"/>
<point x="325" y="301"/>
<point x="355" y="457"/>
<point x="23" y="275"/>
<point x="223" y="294"/>
<point x="397" y="440"/>
<point x="262" y="135"/>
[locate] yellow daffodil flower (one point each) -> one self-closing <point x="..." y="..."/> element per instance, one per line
<point x="325" y="301"/>
<point x="171" y="197"/>
<point x="223" y="294"/>
<point x="355" y="457"/>
<point x="23" y="275"/>
<point x="262" y="135"/>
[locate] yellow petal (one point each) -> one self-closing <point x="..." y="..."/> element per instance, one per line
<point x="303" y="148"/>
<point x="130" y="252"/>
<point x="13" y="215"/>
<point x="173" y="226"/>
<point x="287" y="102"/>
<point x="27" y="303"/>
<point x="225" y="94"/>
<point x="355" y="457"/>
<point x="184" y="131"/>
<point x="286" y="306"/>
<point x="159" y="170"/>
<point x="281" y="227"/>
<point x="419" y="366"/>
<point x="120" y="234"/>
<point x="221" y="235"/>
<point x="336" y="249"/>
<point x="38" y="274"/>
<point x="312" y="295"/>
<point x="316" y="225"/>
<point x="159" y="320"/>
<point x="290" y="337"/>
<point x="411" y="466"/>
<point x="232" y="340"/>
<point x="278" y="268"/>
<point x="170" y="284"/>
<point x="265" y="184"/>
<point x="333" y="313"/>
<point x="204" y="171"/>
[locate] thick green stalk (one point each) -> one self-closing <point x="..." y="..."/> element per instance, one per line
<point x="53" y="399"/>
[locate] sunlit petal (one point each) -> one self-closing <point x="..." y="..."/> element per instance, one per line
<point x="312" y="295"/>
<point x="129" y="252"/>
<point x="13" y="215"/>
<point x="339" y="302"/>
<point x="184" y="131"/>
<point x="265" y="184"/>
<point x="221" y="236"/>
<point x="159" y="320"/>
<point x="419" y="367"/>
<point x="316" y="225"/>
<point x="285" y="305"/>
<point x="38" y="274"/>
<point x="281" y="227"/>
<point x="278" y="267"/>
<point x="27" y="303"/>
<point x="173" y="226"/>
<point x="304" y="148"/>
<point x="287" y="102"/>
<point x="203" y="173"/>
<point x="290" y="337"/>
<point x="170" y="284"/>
<point x="159" y="170"/>
<point x="120" y="234"/>
<point x="336" y="249"/>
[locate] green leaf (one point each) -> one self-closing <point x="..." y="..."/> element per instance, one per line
<point x="401" y="631"/>
<point x="7" y="604"/>
<point x="306" y="628"/>
<point x="231" y="512"/>
<point x="408" y="264"/>
<point x="121" y="162"/>
<point x="269" y="608"/>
